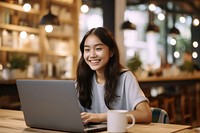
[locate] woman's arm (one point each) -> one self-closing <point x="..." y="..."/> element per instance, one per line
<point x="142" y="113"/>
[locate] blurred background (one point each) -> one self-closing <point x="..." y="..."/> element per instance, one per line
<point x="158" y="41"/>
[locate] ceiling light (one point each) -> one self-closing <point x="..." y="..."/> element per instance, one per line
<point x="152" y="28"/>
<point x="174" y="31"/>
<point x="127" y="25"/>
<point x="49" y="19"/>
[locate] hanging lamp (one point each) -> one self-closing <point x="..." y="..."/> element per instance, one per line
<point x="174" y="31"/>
<point x="152" y="27"/>
<point x="128" y="25"/>
<point x="49" y="19"/>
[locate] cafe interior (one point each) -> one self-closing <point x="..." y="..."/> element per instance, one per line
<point x="157" y="40"/>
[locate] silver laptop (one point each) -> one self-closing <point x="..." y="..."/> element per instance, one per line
<point x="52" y="104"/>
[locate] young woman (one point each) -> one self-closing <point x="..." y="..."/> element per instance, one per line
<point x="103" y="83"/>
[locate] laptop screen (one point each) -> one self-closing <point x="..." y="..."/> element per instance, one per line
<point x="50" y="104"/>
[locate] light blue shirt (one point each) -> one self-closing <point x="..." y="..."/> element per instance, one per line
<point x="128" y="90"/>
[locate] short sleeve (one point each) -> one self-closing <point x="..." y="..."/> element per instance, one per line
<point x="130" y="91"/>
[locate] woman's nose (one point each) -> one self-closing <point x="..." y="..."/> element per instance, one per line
<point x="92" y="53"/>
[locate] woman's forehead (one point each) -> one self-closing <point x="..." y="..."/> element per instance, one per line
<point x="93" y="40"/>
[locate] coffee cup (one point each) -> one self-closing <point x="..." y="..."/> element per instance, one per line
<point x="117" y="120"/>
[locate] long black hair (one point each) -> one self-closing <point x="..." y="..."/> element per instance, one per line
<point x="112" y="70"/>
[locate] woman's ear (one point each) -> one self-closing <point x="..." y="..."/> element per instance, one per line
<point x="111" y="53"/>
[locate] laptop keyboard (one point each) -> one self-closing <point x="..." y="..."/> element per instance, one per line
<point x="90" y="128"/>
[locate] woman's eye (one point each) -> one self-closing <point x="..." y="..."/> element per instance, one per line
<point x="86" y="50"/>
<point x="98" y="49"/>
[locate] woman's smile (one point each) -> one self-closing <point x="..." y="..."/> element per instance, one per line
<point x="94" y="64"/>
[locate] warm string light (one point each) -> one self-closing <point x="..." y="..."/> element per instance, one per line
<point x="194" y="54"/>
<point x="26" y="7"/>
<point x="152" y="7"/>
<point x="23" y="34"/>
<point x="182" y="19"/>
<point x="172" y="41"/>
<point x="48" y="28"/>
<point x="84" y="8"/>
<point x="195" y="44"/>
<point x="176" y="54"/>
<point x="161" y="16"/>
<point x="32" y="36"/>
<point x="196" y="22"/>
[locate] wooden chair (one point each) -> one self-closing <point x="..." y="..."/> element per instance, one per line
<point x="154" y="103"/>
<point x="159" y="115"/>
<point x="186" y="109"/>
<point x="169" y="106"/>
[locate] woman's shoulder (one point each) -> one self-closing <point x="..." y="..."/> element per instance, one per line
<point x="123" y="70"/>
<point x="127" y="77"/>
<point x="127" y="73"/>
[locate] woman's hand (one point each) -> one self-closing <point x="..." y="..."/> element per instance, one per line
<point x="91" y="117"/>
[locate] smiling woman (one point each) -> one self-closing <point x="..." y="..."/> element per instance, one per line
<point x="103" y="83"/>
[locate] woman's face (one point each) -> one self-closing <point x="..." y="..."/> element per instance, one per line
<point x="96" y="54"/>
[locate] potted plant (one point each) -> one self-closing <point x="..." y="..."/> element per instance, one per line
<point x="18" y="64"/>
<point x="134" y="63"/>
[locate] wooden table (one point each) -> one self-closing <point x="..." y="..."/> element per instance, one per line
<point x="13" y="122"/>
<point x="160" y="128"/>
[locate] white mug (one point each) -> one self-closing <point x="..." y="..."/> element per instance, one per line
<point x="117" y="120"/>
